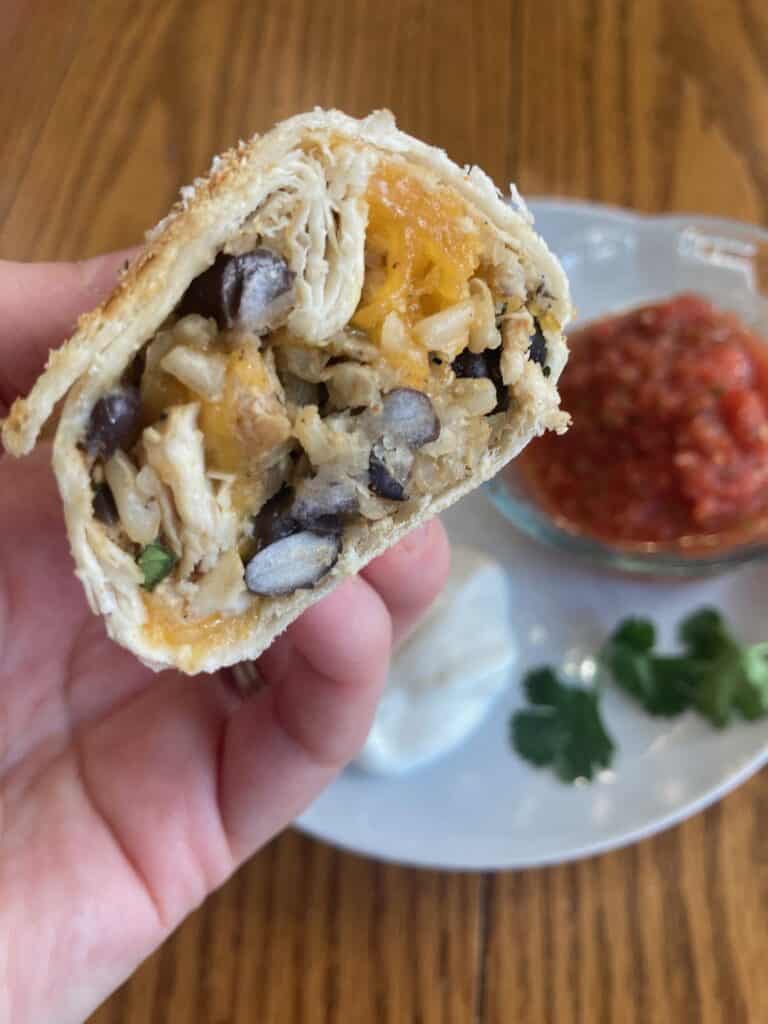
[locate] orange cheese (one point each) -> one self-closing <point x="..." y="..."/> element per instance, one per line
<point x="220" y="420"/>
<point x="235" y="434"/>
<point x="159" y="391"/>
<point x="164" y="627"/>
<point x="429" y="248"/>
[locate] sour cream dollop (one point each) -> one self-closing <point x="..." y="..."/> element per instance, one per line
<point x="448" y="673"/>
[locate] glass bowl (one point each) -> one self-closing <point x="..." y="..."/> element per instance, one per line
<point x="615" y="260"/>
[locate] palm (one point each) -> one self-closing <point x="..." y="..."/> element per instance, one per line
<point x="95" y="751"/>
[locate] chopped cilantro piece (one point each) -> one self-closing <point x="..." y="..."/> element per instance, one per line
<point x="155" y="561"/>
<point x="563" y="729"/>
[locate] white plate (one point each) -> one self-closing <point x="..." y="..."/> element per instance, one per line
<point x="484" y="808"/>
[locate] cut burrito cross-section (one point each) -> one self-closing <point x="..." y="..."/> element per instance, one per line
<point x="332" y="337"/>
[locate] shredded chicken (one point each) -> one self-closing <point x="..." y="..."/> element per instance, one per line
<point x="202" y="372"/>
<point x="139" y="513"/>
<point x="222" y="589"/>
<point x="174" y="449"/>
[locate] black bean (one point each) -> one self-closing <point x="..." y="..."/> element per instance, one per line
<point x="296" y="562"/>
<point x="484" y="364"/>
<point x="104" y="507"/>
<point x="240" y="290"/>
<point x="502" y="391"/>
<point x="471" y="364"/>
<point x="388" y="471"/>
<point x="329" y="523"/>
<point x="114" y="422"/>
<point x="319" y="503"/>
<point x="215" y="293"/>
<point x="409" y="417"/>
<point x="274" y="520"/>
<point x="266" y="279"/>
<point x="537" y="350"/>
<point x="135" y="370"/>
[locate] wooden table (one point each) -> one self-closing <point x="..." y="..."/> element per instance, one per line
<point x="107" y="108"/>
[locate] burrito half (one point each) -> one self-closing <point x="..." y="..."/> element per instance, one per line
<point x="332" y="337"/>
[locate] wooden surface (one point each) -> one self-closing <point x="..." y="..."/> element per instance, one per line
<point x="107" y="108"/>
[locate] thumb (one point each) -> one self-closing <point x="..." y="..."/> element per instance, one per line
<point x="39" y="306"/>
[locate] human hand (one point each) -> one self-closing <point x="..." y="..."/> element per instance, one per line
<point x="126" y="797"/>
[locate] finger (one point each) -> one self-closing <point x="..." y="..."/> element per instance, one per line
<point x="410" y="575"/>
<point x="41" y="303"/>
<point x="285" y="744"/>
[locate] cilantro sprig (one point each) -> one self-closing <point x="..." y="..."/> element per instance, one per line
<point x="713" y="674"/>
<point x="563" y="730"/>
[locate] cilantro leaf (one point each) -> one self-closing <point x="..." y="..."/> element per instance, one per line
<point x="589" y="745"/>
<point x="705" y="634"/>
<point x="663" y="685"/>
<point x="637" y="634"/>
<point x="542" y="686"/>
<point x="751" y="695"/>
<point x="537" y="737"/>
<point x="630" y="669"/>
<point x="563" y="730"/>
<point x="155" y="561"/>
<point x="718" y="684"/>
<point x="755" y="661"/>
<point x="674" y="685"/>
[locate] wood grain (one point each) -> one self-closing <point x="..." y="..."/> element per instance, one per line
<point x="109" y="107"/>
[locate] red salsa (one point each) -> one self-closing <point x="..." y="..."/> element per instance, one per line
<point x="669" y="441"/>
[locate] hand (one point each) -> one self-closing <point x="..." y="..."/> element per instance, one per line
<point x="126" y="797"/>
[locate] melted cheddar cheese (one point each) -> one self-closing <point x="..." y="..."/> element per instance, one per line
<point x="242" y="426"/>
<point x="159" y="391"/>
<point x="230" y="440"/>
<point x="429" y="248"/>
<point x="164" y="627"/>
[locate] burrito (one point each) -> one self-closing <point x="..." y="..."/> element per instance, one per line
<point x="333" y="336"/>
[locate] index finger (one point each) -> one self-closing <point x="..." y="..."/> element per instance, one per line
<point x="39" y="307"/>
<point x="410" y="575"/>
